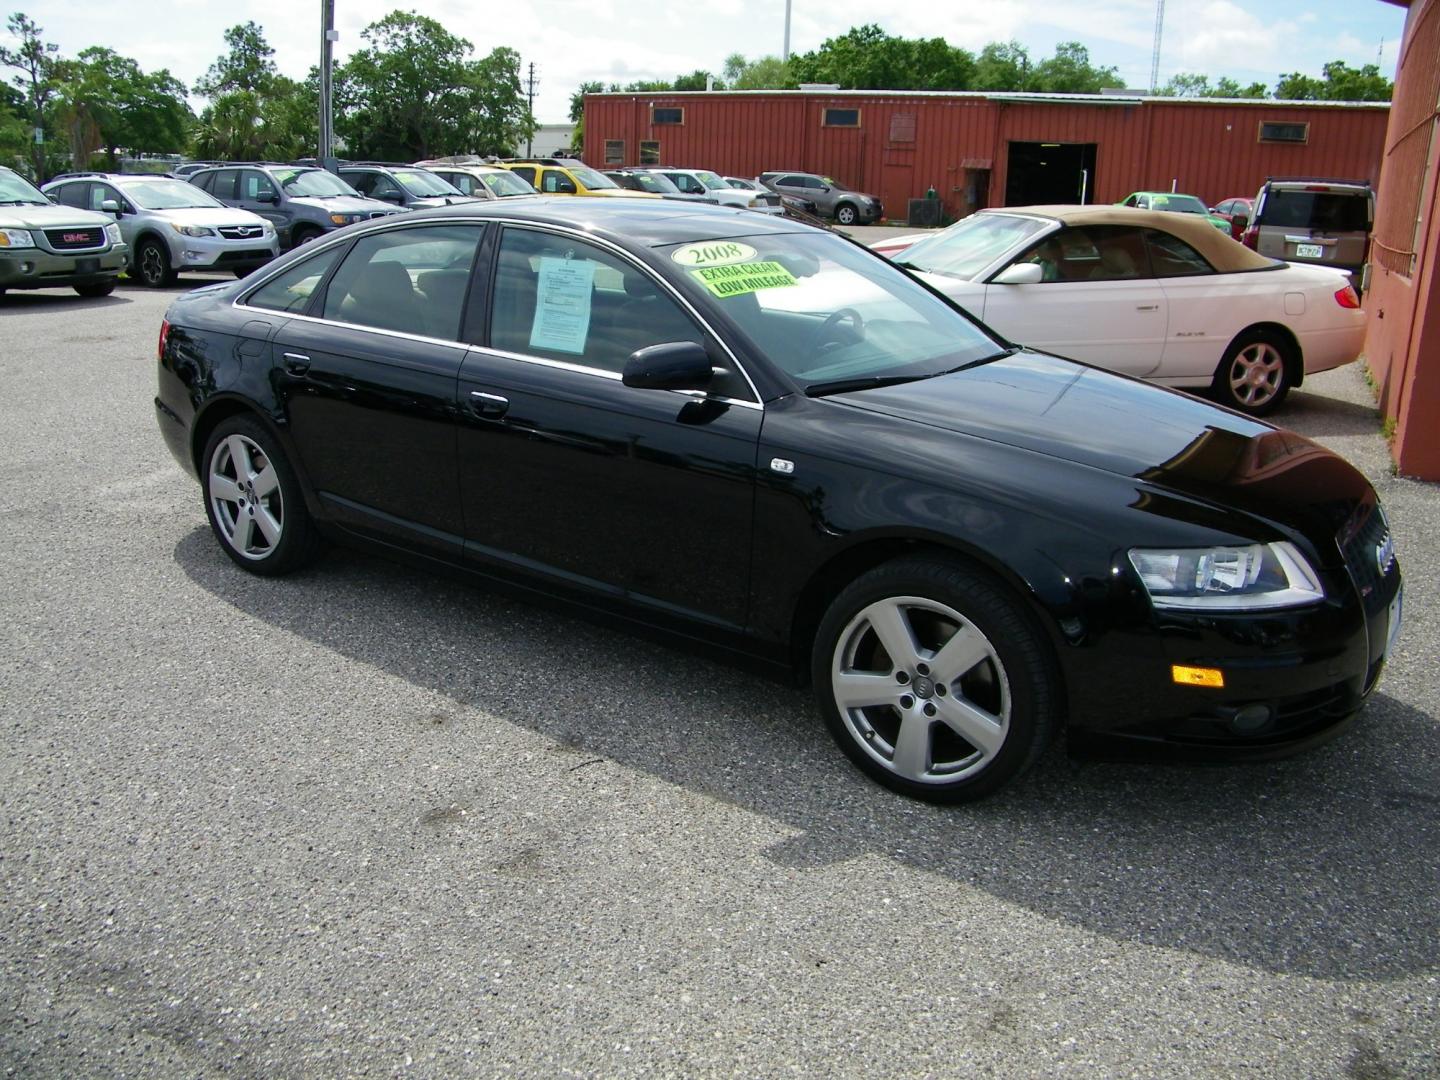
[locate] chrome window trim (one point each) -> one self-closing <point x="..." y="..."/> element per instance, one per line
<point x="318" y="247"/>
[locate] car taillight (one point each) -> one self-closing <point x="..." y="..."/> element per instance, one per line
<point x="1251" y="237"/>
<point x="164" y="335"/>
<point x="1347" y="297"/>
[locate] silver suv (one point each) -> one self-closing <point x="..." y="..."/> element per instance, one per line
<point x="831" y="198"/>
<point x="42" y="245"/>
<point x="169" y="225"/>
<point x="301" y="202"/>
<point x="1326" y="222"/>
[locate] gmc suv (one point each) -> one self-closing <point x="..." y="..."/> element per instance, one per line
<point x="42" y="245"/>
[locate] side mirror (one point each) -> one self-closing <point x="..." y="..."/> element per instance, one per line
<point x="1023" y="273"/>
<point x="564" y="187"/>
<point x="268" y="196"/>
<point x="110" y="206"/>
<point x="676" y="365"/>
<point x="390" y="196"/>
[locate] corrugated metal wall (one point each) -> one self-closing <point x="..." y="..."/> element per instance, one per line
<point x="907" y="143"/>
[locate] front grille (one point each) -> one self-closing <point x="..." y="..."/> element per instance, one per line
<point x="227" y="257"/>
<point x="241" y="232"/>
<point x="75" y="239"/>
<point x="1370" y="556"/>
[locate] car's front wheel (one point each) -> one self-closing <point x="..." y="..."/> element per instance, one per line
<point x="1255" y="375"/>
<point x="152" y="265"/>
<point x="845" y="214"/>
<point x="253" y="499"/>
<point x="934" y="681"/>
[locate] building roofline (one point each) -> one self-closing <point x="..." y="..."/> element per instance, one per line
<point x="1003" y="97"/>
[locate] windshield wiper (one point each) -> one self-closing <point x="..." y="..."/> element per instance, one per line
<point x="1011" y="351"/>
<point x="868" y="382"/>
<point x="22" y="202"/>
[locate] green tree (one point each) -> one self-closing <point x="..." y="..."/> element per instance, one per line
<point x="577" y="99"/>
<point x="255" y="112"/>
<point x="415" y="92"/>
<point x="37" y="62"/>
<point x="1188" y="85"/>
<point x="1340" y="82"/>
<point x="15" y="134"/>
<point x="1002" y="66"/>
<point x="766" y="73"/>
<point x="697" y="80"/>
<point x="867" y="58"/>
<point x="1069" y="71"/>
<point x="104" y="101"/>
<point x="247" y="66"/>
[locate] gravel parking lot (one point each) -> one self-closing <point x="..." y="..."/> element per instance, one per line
<point x="365" y="821"/>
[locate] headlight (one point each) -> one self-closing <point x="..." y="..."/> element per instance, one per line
<point x="193" y="230"/>
<point x="16" y="238"/>
<point x="1251" y="578"/>
<point x="112" y="233"/>
<point x="345" y="219"/>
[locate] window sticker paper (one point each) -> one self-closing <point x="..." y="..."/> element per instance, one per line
<point x="562" y="305"/>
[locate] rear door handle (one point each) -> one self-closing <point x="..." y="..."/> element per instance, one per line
<point x="296" y="363"/>
<point x="1147" y="307"/>
<point x="488" y="406"/>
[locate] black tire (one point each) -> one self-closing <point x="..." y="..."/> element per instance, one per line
<point x="241" y="502"/>
<point x="1010" y="695"/>
<point x="845" y="214"/>
<point x="102" y="288"/>
<point x="1256" y="373"/>
<point x="243" y="272"/>
<point x="152" y="265"/>
<point x="303" y="234"/>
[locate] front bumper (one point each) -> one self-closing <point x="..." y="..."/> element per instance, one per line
<point x="36" y="268"/>
<point x="210" y="253"/>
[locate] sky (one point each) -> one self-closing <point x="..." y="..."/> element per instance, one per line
<point x="573" y="41"/>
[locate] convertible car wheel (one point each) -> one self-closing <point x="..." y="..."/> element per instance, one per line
<point x="253" y="499"/>
<point x="933" y="681"/>
<point x="1254" y="376"/>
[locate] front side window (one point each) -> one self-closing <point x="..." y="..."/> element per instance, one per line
<point x="554" y="182"/>
<point x="1093" y="253"/>
<point x="412" y="281"/>
<point x="291" y="289"/>
<point x="565" y="299"/>
<point x="1172" y="257"/>
<point x="101" y="193"/>
<point x="826" y="312"/>
<point x="255" y="185"/>
<point x="967" y="247"/>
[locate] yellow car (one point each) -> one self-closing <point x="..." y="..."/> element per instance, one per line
<point x="561" y="176"/>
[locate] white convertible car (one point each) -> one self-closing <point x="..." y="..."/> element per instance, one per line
<point x="1149" y="294"/>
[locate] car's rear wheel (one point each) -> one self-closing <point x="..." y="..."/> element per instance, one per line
<point x="934" y="681"/>
<point x="253" y="499"/>
<point x="102" y="288"/>
<point x="1255" y="375"/>
<point x="845" y="214"/>
<point x="152" y="265"/>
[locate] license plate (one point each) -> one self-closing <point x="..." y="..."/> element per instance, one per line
<point x="87" y="266"/>
<point x="1309" y="251"/>
<point x="1397" y="613"/>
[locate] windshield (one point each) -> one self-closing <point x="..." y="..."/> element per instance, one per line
<point x="592" y="179"/>
<point x="711" y="181"/>
<point x="1184" y="204"/>
<point x="423" y="185"/>
<point x="969" y="246"/>
<point x="505" y="183"/>
<point x="14" y="188"/>
<point x="743" y="185"/>
<point x="166" y="195"/>
<point x="825" y="311"/>
<point x="660" y="185"/>
<point x="312" y="182"/>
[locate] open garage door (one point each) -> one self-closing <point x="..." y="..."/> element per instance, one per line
<point x="1050" y="173"/>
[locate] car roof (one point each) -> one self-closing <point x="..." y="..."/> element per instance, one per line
<point x="627" y="222"/>
<point x="1223" y="253"/>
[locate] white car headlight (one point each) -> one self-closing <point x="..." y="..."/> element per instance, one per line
<point x="1250" y="578"/>
<point x="16" y="238"/>
<point x="112" y="233"/>
<point x="193" y="230"/>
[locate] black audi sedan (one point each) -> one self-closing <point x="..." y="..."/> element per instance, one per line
<point x="763" y="438"/>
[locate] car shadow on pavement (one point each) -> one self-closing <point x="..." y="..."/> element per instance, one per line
<point x="1324" y="865"/>
<point x="42" y="300"/>
<point x="1318" y="415"/>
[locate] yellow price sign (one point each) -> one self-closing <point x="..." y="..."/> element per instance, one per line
<point x="742" y="278"/>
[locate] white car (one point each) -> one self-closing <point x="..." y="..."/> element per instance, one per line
<point x="1145" y="293"/>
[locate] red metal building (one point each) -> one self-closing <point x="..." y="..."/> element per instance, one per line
<point x="980" y="150"/>
<point x="1402" y="343"/>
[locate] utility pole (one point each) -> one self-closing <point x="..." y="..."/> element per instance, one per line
<point x="1155" y="57"/>
<point x="325" y="156"/>
<point x="785" y="53"/>
<point x="530" y="112"/>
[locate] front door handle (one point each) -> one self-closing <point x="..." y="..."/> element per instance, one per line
<point x="296" y="363"/>
<point x="488" y="406"/>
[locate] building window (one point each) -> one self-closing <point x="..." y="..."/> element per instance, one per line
<point x="842" y="117"/>
<point x="649" y="152"/>
<point x="1276" y="132"/>
<point x="614" y="151"/>
<point x="667" y="116"/>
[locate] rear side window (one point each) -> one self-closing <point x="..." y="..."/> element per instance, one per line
<point x="291" y="290"/>
<point x="222" y="186"/>
<point x="72" y="195"/>
<point x="1321" y="210"/>
<point x="412" y="281"/>
<point x="1172" y="257"/>
<point x="526" y="173"/>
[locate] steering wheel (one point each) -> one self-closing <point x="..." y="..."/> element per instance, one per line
<point x="823" y="332"/>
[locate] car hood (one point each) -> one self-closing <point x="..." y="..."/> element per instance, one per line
<point x="430" y="202"/>
<point x="50" y="217"/>
<point x="222" y="216"/>
<point x="347" y="204"/>
<point x="1163" y="438"/>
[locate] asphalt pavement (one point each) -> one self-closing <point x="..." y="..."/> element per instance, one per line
<point x="363" y="821"/>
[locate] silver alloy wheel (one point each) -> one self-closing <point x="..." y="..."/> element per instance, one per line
<point x="845" y="215"/>
<point x="152" y="264"/>
<point x="921" y="690"/>
<point x="245" y="497"/>
<point x="1256" y="374"/>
